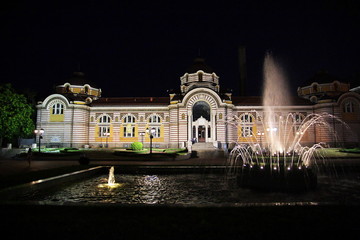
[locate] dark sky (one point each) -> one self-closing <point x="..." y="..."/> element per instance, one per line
<point x="142" y="49"/>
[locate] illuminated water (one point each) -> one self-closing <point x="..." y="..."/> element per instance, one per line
<point x="195" y="189"/>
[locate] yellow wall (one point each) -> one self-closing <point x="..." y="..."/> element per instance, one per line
<point x="247" y="139"/>
<point x="103" y="139"/>
<point x="56" y="117"/>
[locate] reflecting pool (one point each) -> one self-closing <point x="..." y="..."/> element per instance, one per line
<point x="195" y="189"/>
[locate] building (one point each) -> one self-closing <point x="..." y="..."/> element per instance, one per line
<point x="77" y="116"/>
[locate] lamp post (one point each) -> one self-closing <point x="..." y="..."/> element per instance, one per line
<point x="39" y="132"/>
<point x="151" y="133"/>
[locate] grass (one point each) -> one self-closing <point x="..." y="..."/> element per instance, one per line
<point x="350" y="150"/>
<point x="337" y="153"/>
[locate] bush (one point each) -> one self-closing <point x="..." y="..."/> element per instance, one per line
<point x="136" y="146"/>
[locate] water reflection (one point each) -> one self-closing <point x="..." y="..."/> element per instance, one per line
<point x="198" y="189"/>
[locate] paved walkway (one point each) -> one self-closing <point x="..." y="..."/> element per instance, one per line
<point x="14" y="166"/>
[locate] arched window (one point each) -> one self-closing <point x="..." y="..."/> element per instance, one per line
<point x="246" y="118"/>
<point x="57" y="109"/>
<point x="104" y="119"/>
<point x="129" y="119"/>
<point x="154" y="119"/>
<point x="349" y="107"/>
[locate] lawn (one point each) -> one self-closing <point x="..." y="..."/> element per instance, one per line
<point x="338" y="152"/>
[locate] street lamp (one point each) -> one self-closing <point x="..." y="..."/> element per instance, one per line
<point x="39" y="132"/>
<point x="151" y="133"/>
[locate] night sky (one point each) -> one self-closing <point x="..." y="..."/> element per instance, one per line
<point x="142" y="49"/>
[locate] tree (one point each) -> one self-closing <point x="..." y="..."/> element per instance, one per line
<point x="15" y="114"/>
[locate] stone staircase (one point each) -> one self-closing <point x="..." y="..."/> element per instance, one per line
<point x="207" y="151"/>
<point x="203" y="146"/>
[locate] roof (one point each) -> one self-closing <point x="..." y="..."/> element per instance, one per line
<point x="162" y="101"/>
<point x="199" y="64"/>
<point x="320" y="77"/>
<point x="78" y="78"/>
<point x="257" y="101"/>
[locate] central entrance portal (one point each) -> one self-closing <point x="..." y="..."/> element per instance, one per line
<point x="201" y="134"/>
<point x="201" y="122"/>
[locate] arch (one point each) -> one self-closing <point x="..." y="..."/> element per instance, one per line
<point x="154" y="118"/>
<point x="247" y="118"/>
<point x="47" y="103"/>
<point x="202" y="94"/>
<point x="104" y="118"/>
<point x="349" y="96"/>
<point x="201" y="109"/>
<point x="128" y="118"/>
<point x="55" y="103"/>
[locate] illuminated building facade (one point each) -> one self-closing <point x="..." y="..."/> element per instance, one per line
<point x="77" y="116"/>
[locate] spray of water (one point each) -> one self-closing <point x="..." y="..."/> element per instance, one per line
<point x="275" y="94"/>
<point x="283" y="132"/>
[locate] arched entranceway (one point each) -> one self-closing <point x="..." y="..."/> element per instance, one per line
<point x="201" y="121"/>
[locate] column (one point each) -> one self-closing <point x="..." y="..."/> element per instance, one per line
<point x="189" y="130"/>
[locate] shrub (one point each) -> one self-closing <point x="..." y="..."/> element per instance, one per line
<point x="136" y="146"/>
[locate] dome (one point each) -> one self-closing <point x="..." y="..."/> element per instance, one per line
<point x="321" y="77"/>
<point x="78" y="78"/>
<point x="199" y="64"/>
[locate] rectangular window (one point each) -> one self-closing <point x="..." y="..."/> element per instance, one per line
<point x="129" y="131"/>
<point x="247" y="131"/>
<point x="157" y="131"/>
<point x="104" y="131"/>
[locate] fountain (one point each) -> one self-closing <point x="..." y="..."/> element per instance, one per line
<point x="282" y="163"/>
<point x="111" y="180"/>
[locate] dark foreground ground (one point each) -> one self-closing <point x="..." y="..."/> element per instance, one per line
<point x="31" y="221"/>
<point x="159" y="222"/>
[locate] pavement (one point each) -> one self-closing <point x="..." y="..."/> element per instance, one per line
<point x="11" y="165"/>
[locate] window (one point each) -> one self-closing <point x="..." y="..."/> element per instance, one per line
<point x="349" y="107"/>
<point x="104" y="126"/>
<point x="129" y="130"/>
<point x="129" y="119"/>
<point x="104" y="119"/>
<point x="298" y="118"/>
<point x="104" y="131"/>
<point x="154" y="119"/>
<point x="129" y="127"/>
<point x="155" y="123"/>
<point x="157" y="131"/>
<point x="57" y="109"/>
<point x="246" y="118"/>
<point x="247" y="131"/>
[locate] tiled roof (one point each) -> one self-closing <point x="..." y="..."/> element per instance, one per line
<point x="257" y="101"/>
<point x="132" y="101"/>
